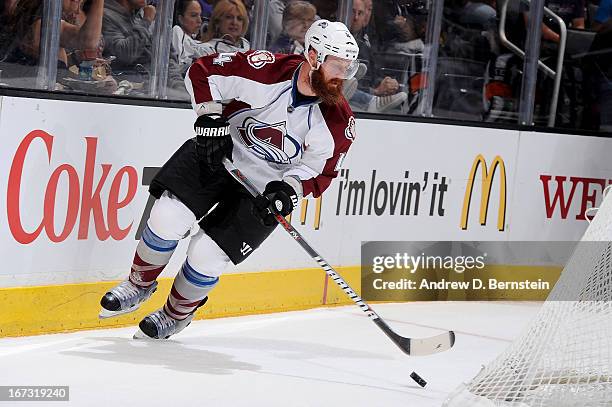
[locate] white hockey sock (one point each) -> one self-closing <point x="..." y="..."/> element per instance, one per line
<point x="188" y="290"/>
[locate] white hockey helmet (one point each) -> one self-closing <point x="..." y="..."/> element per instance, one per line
<point x="332" y="38"/>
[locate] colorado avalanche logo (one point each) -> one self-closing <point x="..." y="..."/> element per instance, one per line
<point x="269" y="141"/>
<point x="258" y="59"/>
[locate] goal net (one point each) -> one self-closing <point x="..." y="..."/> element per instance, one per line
<point x="564" y="357"/>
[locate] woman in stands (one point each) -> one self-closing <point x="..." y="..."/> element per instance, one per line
<point x="186" y="43"/>
<point x="228" y="25"/>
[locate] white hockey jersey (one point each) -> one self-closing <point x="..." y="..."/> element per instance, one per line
<point x="273" y="134"/>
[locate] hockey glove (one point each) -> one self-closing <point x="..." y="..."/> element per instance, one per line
<point x="281" y="195"/>
<point x="213" y="139"/>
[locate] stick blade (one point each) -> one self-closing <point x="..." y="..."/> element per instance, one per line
<point x="432" y="345"/>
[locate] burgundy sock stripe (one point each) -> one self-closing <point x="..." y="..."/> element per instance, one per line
<point x="179" y="303"/>
<point x="173" y="312"/>
<point x="140" y="262"/>
<point x="175" y="294"/>
<point x="144" y="272"/>
<point x="147" y="269"/>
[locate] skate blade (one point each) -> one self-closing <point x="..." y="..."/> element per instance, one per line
<point x="143" y="336"/>
<point x="104" y="313"/>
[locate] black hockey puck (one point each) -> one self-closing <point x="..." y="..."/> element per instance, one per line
<point x="418" y="379"/>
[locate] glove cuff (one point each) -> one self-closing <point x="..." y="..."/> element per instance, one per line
<point x="295" y="183"/>
<point x="208" y="108"/>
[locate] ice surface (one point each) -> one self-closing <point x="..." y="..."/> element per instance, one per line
<point x="320" y="357"/>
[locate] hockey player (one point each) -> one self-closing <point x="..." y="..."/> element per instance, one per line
<point x="287" y="127"/>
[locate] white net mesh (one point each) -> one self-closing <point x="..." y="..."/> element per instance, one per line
<point x="563" y="358"/>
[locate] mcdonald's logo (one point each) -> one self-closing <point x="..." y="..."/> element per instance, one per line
<point x="488" y="176"/>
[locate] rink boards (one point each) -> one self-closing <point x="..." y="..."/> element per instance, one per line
<point x="73" y="186"/>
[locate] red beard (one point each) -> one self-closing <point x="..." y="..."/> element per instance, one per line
<point x="329" y="91"/>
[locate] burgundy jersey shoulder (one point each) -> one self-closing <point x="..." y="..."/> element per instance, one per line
<point x="283" y="67"/>
<point x="340" y="121"/>
<point x="258" y="65"/>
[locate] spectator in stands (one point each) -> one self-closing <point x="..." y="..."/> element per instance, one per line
<point x="385" y="96"/>
<point x="476" y="14"/>
<point x="298" y="16"/>
<point x="359" y="22"/>
<point x="228" y="25"/>
<point x="25" y="26"/>
<point x="400" y="25"/>
<point x="570" y="11"/>
<point x="185" y="42"/>
<point x="603" y="17"/>
<point x="127" y="37"/>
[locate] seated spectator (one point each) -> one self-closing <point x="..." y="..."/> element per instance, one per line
<point x="470" y="30"/>
<point x="25" y="24"/>
<point x="476" y="14"/>
<point x="185" y="42"/>
<point x="127" y="38"/>
<point x="298" y="16"/>
<point x="570" y="11"/>
<point x="228" y="25"/>
<point x="400" y="25"/>
<point x="126" y="32"/>
<point x="374" y="96"/>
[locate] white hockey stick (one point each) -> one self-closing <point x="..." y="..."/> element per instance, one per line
<point x="410" y="346"/>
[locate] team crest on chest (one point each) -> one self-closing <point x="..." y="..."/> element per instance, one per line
<point x="269" y="141"/>
<point x="260" y="58"/>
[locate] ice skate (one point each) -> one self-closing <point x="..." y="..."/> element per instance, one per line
<point x="160" y="325"/>
<point x="124" y="298"/>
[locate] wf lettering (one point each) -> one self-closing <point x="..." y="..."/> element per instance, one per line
<point x="563" y="196"/>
